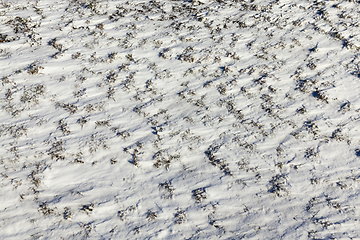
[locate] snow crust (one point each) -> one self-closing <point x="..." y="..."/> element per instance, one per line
<point x="179" y="119"/>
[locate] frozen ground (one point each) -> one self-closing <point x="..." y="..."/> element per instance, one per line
<point x="177" y="119"/>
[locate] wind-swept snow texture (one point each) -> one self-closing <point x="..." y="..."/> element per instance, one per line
<point x="226" y="119"/>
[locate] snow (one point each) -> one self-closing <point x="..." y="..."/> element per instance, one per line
<point x="179" y="119"/>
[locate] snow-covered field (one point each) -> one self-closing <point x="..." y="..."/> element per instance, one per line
<point x="179" y="119"/>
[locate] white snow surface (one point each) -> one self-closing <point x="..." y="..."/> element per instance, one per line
<point x="179" y="119"/>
